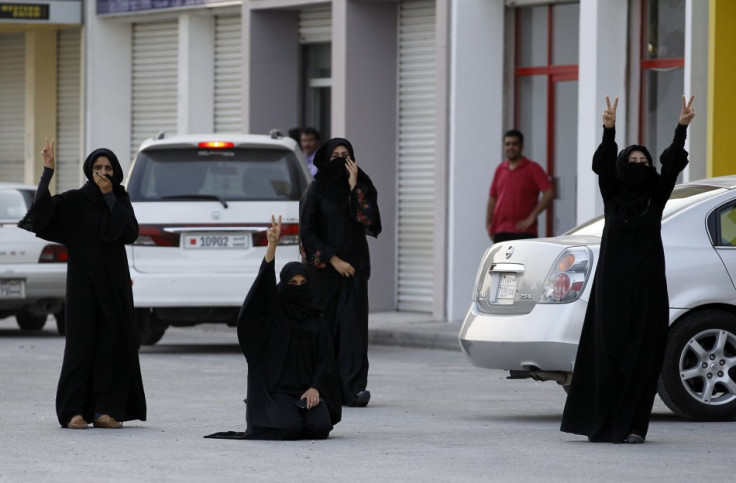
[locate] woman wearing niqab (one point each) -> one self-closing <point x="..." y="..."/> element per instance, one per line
<point x="100" y="378"/>
<point x="624" y="333"/>
<point x="337" y="211"/>
<point x="292" y="389"/>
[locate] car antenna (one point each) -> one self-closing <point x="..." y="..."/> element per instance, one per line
<point x="161" y="135"/>
<point x="275" y="134"/>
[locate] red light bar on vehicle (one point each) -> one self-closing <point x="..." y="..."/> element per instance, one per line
<point x="216" y="144"/>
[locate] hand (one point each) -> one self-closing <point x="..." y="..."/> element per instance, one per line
<point x="47" y="154"/>
<point x="525" y="223"/>
<point x="312" y="397"/>
<point x="102" y="181"/>
<point x="688" y="111"/>
<point x="342" y="267"/>
<point x="352" y="168"/>
<point x="609" y="114"/>
<point x="273" y="234"/>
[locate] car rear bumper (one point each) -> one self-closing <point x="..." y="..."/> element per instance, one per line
<point x="43" y="284"/>
<point x="545" y="339"/>
<point x="190" y="290"/>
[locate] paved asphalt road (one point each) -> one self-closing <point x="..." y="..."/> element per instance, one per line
<point x="433" y="417"/>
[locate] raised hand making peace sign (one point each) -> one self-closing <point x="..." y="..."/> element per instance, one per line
<point x="47" y="154"/>
<point x="688" y="111"/>
<point x="273" y="235"/>
<point x="609" y="114"/>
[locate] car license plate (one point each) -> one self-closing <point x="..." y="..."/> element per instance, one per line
<point x="506" y="288"/>
<point x="216" y="240"/>
<point x="12" y="289"/>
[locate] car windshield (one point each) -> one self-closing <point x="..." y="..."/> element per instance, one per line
<point x="682" y="197"/>
<point x="236" y="174"/>
<point x="13" y="204"/>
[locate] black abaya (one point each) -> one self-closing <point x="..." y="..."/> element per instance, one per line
<point x="333" y="220"/>
<point x="625" y="329"/>
<point x="101" y="371"/>
<point x="286" y="356"/>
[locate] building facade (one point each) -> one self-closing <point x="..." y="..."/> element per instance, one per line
<point x="423" y="88"/>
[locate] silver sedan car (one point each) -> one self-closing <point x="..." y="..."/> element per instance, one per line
<point x="530" y="299"/>
<point x="32" y="270"/>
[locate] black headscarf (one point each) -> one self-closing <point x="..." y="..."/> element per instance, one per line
<point x="117" y="170"/>
<point x="332" y="177"/>
<point x="297" y="301"/>
<point x="636" y="181"/>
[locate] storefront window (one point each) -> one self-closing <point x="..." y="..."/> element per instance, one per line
<point x="662" y="68"/>
<point x="545" y="103"/>
<point x="317" y="87"/>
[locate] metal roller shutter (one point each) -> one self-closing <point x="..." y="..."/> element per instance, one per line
<point x="12" y="106"/>
<point x="68" y="110"/>
<point x="416" y="171"/>
<point x="228" y="74"/>
<point x="155" y="65"/>
<point x="315" y="25"/>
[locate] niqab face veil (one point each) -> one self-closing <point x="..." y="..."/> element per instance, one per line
<point x="636" y="181"/>
<point x="297" y="301"/>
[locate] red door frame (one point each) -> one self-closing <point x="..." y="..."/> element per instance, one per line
<point x="554" y="73"/>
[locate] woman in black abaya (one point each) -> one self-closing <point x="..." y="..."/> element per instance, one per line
<point x="625" y="329"/>
<point x="293" y="390"/>
<point x="337" y="211"/>
<point x="100" y="378"/>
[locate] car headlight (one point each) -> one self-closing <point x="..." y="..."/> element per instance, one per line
<point x="567" y="277"/>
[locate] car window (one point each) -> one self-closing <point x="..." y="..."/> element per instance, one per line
<point x="727" y="222"/>
<point x="13" y="204"/>
<point x="681" y="198"/>
<point x="230" y="174"/>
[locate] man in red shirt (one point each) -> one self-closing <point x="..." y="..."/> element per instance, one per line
<point x="513" y="201"/>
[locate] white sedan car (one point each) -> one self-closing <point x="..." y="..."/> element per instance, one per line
<point x="32" y="270"/>
<point x="531" y="295"/>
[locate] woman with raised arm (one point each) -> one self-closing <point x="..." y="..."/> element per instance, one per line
<point x="337" y="211"/>
<point x="625" y="329"/>
<point x="100" y="377"/>
<point x="293" y="389"/>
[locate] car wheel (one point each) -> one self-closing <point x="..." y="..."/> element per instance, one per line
<point x="698" y="379"/>
<point x="60" y="317"/>
<point x="29" y="321"/>
<point x="149" y="330"/>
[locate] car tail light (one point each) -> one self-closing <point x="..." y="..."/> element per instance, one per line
<point x="216" y="144"/>
<point x="156" y="236"/>
<point x="289" y="236"/>
<point x="53" y="254"/>
<point x="566" y="280"/>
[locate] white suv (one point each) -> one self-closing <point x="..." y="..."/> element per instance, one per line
<point x="203" y="203"/>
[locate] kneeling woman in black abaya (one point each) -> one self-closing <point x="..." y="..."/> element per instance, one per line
<point x="624" y="334"/>
<point x="292" y="383"/>
<point x="100" y="377"/>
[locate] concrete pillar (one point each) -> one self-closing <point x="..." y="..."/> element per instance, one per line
<point x="476" y="126"/>
<point x="364" y="51"/>
<point x="40" y="98"/>
<point x="270" y="69"/>
<point x="601" y="72"/>
<point x="721" y="94"/>
<point x="696" y="83"/>
<point x="195" y="113"/>
<point x="107" y="78"/>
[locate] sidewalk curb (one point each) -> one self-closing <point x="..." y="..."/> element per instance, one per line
<point x="426" y="340"/>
